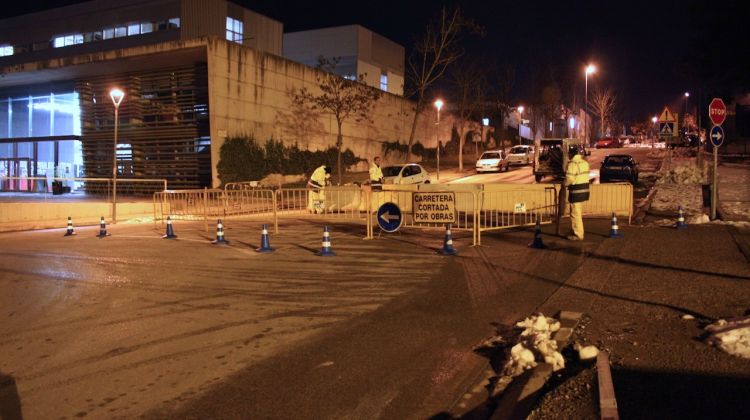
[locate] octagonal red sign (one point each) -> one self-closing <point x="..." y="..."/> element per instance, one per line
<point x="717" y="111"/>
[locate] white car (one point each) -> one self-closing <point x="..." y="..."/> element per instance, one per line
<point x="521" y="155"/>
<point x="492" y="161"/>
<point x="411" y="173"/>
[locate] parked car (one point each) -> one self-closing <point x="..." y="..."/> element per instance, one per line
<point x="411" y="173"/>
<point x="520" y="155"/>
<point x="608" y="142"/>
<point x="619" y="167"/>
<point x="492" y="161"/>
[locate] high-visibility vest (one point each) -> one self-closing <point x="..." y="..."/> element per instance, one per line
<point x="577" y="180"/>
<point x="376" y="174"/>
<point x="318" y="178"/>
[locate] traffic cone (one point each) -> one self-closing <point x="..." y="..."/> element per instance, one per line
<point x="220" y="234"/>
<point x="448" y="243"/>
<point x="325" y="249"/>
<point x="537" y="243"/>
<point x="102" y="229"/>
<point x="680" y="219"/>
<point x="265" y="244"/>
<point x="614" y="232"/>
<point x="170" y="231"/>
<point x="70" y="231"/>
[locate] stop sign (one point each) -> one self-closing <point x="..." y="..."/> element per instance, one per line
<point x="717" y="111"/>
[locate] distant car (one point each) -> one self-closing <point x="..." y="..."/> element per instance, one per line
<point x="619" y="167"/>
<point x="411" y="173"/>
<point x="607" y="143"/>
<point x="520" y="155"/>
<point x="492" y="161"/>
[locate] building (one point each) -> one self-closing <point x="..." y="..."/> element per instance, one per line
<point x="194" y="73"/>
<point x="359" y="51"/>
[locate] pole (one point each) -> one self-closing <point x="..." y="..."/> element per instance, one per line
<point x="715" y="186"/>
<point x="438" y="144"/>
<point x="585" y="117"/>
<point x="114" y="169"/>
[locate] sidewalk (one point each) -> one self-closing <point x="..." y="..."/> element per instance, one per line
<point x="734" y="192"/>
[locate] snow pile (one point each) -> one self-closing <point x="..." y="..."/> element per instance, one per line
<point x="732" y="336"/>
<point x="684" y="174"/>
<point x="657" y="154"/>
<point x="668" y="197"/>
<point x="535" y="344"/>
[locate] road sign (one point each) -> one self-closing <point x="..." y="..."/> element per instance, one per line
<point x="667" y="129"/>
<point x="717" y="111"/>
<point x="717" y="135"/>
<point x="667" y="116"/>
<point x="434" y="207"/>
<point x="389" y="217"/>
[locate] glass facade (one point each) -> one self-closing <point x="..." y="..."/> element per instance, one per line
<point x="40" y="118"/>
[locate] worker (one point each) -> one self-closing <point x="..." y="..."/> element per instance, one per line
<point x="318" y="180"/>
<point x="577" y="181"/>
<point x="376" y="174"/>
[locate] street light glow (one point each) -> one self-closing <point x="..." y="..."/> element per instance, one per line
<point x="590" y="69"/>
<point x="439" y="104"/>
<point x="116" y="94"/>
<point x="520" y="109"/>
<point x="654" y="119"/>
<point x="485" y="121"/>
<point x="687" y="94"/>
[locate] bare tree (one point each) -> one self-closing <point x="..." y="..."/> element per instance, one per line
<point x="342" y="98"/>
<point x="438" y="48"/>
<point x="603" y="104"/>
<point x="470" y="84"/>
<point x="498" y="104"/>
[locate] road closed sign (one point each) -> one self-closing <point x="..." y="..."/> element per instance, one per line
<point x="434" y="207"/>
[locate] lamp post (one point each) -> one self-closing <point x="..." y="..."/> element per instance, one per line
<point x="590" y="69"/>
<point x="485" y="123"/>
<point x="438" y="105"/>
<point x="117" y="95"/>
<point x="520" y="111"/>
<point x="654" y="131"/>
<point x="684" y="118"/>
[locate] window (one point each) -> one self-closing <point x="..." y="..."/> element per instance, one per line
<point x="174" y="23"/>
<point x="134" y="29"/>
<point x="121" y="31"/>
<point x="109" y="33"/>
<point x="384" y="81"/>
<point x="68" y="40"/>
<point x="235" y="29"/>
<point x="147" y="27"/>
<point x="6" y="50"/>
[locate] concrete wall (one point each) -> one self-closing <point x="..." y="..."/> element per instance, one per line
<point x="249" y="94"/>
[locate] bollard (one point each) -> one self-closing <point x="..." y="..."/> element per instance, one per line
<point x="265" y="244"/>
<point x="170" y="231"/>
<point x="680" y="219"/>
<point x="69" y="231"/>
<point x="614" y="231"/>
<point x="537" y="242"/>
<point x="326" y="250"/>
<point x="220" y="234"/>
<point x="448" y="248"/>
<point x="102" y="229"/>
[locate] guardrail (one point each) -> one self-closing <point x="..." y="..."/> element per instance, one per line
<point x="81" y="185"/>
<point x="514" y="208"/>
<point x="609" y="198"/>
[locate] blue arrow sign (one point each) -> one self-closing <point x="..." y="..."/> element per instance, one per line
<point x="389" y="217"/>
<point x="717" y="135"/>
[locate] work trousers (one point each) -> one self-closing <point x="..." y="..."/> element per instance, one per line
<point x="576" y="219"/>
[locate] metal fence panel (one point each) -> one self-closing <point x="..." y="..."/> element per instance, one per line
<point x="609" y="198"/>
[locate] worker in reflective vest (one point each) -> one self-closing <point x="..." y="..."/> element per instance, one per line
<point x="376" y="174"/>
<point x="317" y="182"/>
<point x="577" y="181"/>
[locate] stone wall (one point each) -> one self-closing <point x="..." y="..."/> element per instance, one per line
<point x="250" y="95"/>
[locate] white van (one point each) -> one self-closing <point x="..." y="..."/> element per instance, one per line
<point x="521" y="155"/>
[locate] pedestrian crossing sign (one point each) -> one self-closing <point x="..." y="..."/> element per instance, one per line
<point x="667" y="129"/>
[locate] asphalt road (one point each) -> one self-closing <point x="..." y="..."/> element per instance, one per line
<point x="524" y="175"/>
<point x="133" y="325"/>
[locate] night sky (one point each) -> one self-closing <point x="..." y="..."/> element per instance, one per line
<point x="650" y="52"/>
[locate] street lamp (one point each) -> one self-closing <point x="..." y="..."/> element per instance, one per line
<point x="485" y="123"/>
<point x="438" y="105"/>
<point x="520" y="111"/>
<point x="653" y="130"/>
<point x="590" y="69"/>
<point x="117" y="96"/>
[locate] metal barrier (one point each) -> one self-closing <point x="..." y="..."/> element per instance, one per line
<point x="513" y="208"/>
<point x="87" y="186"/>
<point x="609" y="198"/>
<point x="246" y="185"/>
